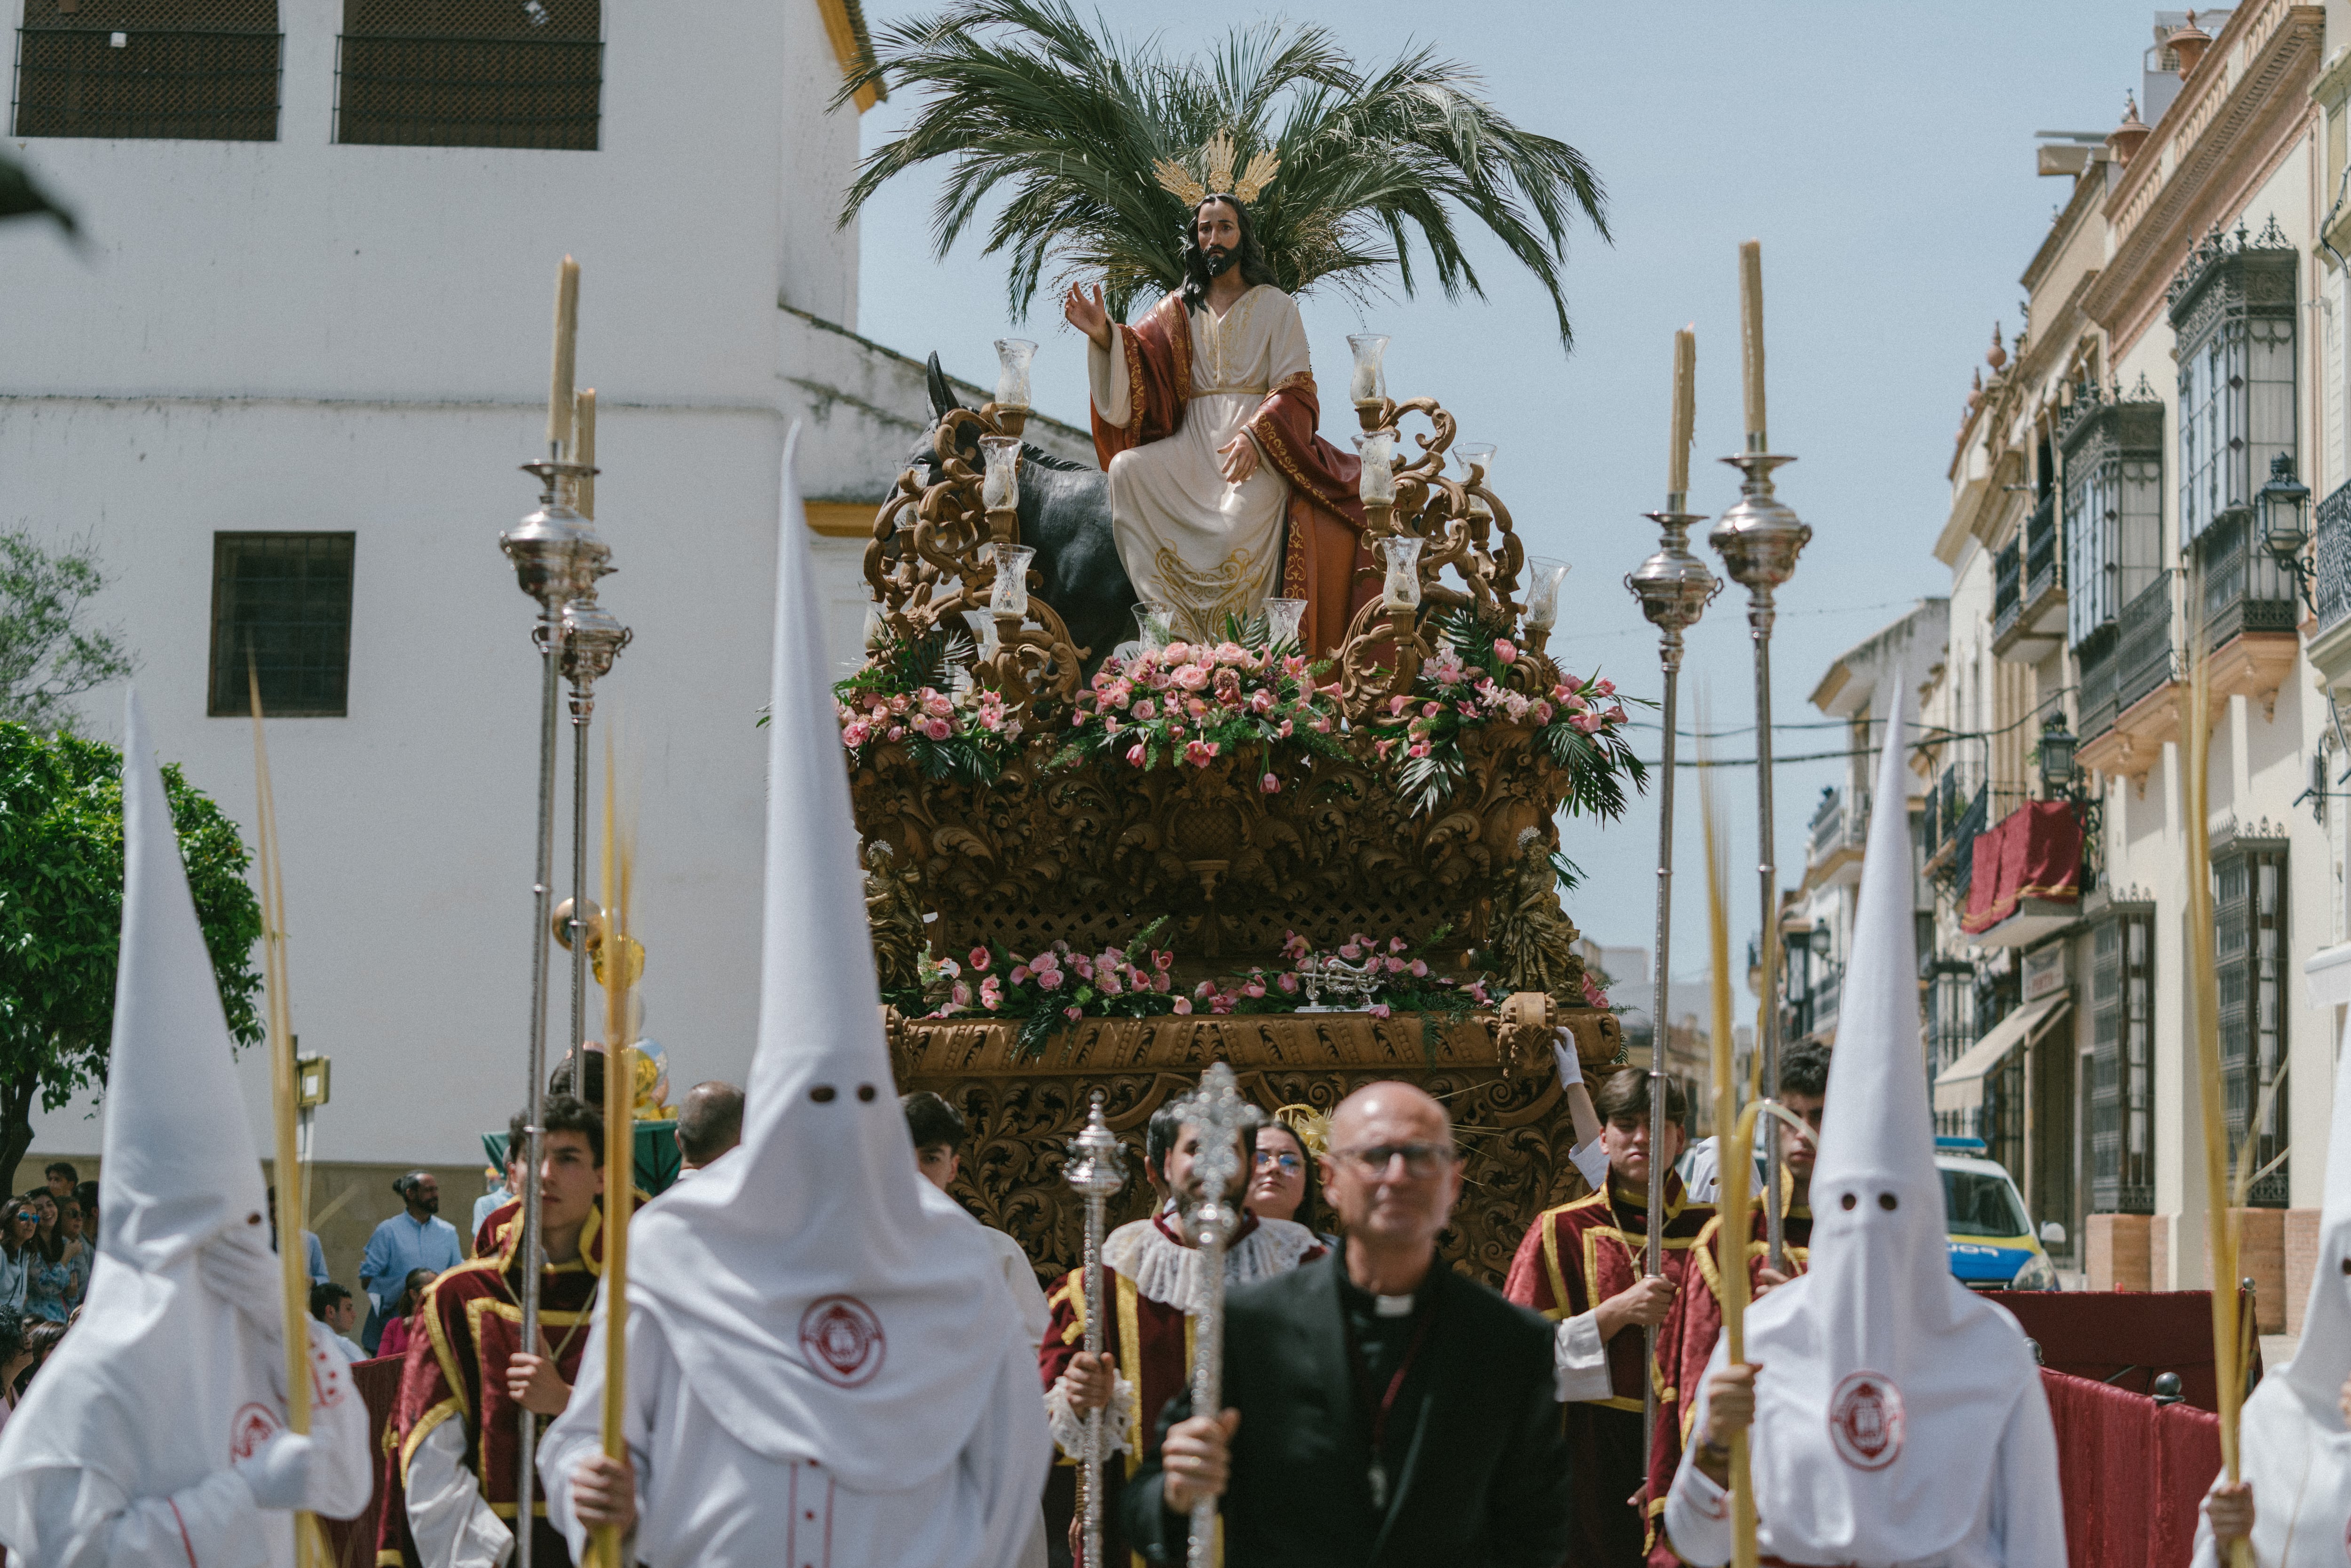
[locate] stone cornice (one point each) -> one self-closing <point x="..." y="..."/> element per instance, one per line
<point x="2237" y="116"/>
<point x="2090" y="191"/>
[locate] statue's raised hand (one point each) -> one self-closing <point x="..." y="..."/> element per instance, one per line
<point x="1088" y="316"/>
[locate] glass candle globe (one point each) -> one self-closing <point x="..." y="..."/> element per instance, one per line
<point x="1010" y="596"/>
<point x="1368" y="384"/>
<point x="1402" y="590"/>
<point x="1544" y="575"/>
<point x="1377" y="483"/>
<point x="1281" y="619"/>
<point x="1012" y="357"/>
<point x="999" y="484"/>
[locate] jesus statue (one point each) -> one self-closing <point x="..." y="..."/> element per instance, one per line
<point x="1221" y="493"/>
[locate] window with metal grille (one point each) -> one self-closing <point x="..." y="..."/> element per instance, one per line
<point x="2249" y="913"/>
<point x="470" y="73"/>
<point x="2114" y="503"/>
<point x="2122" y="1064"/>
<point x="284" y="602"/>
<point x="198" y="70"/>
<point x="2233" y="313"/>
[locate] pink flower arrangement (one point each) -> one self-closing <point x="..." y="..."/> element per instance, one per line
<point x="1190" y="703"/>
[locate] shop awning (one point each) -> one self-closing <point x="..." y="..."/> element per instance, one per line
<point x="1960" y="1086"/>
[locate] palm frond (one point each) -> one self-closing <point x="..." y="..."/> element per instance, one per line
<point x="1062" y="123"/>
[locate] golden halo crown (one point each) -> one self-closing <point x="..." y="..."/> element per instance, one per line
<point x="1217" y="158"/>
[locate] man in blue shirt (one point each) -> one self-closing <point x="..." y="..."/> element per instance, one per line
<point x="416" y="1238"/>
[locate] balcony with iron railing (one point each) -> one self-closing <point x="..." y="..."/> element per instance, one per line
<point x="2250" y="611"/>
<point x="2330" y="633"/>
<point x="2129" y="706"/>
<point x="2029" y="589"/>
<point x="1839" y="826"/>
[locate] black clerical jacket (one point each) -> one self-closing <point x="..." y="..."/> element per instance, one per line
<point x="1483" y="1479"/>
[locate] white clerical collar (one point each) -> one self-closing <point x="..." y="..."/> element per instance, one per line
<point x="1393" y="1306"/>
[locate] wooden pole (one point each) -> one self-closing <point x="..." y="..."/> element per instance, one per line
<point x="1735" y="1165"/>
<point x="293" y="1263"/>
<point x="619" y="1147"/>
<point x="2204" y="1036"/>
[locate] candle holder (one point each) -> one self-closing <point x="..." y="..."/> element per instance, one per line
<point x="1096" y="1172"/>
<point x="1367" y="383"/>
<point x="1012" y="358"/>
<point x="1281" y="619"/>
<point x="1000" y="486"/>
<point x="1376" y="483"/>
<point x="1476" y="459"/>
<point x="1155" y="626"/>
<point x="593" y="639"/>
<point x="557" y="556"/>
<point x="1008" y="599"/>
<point x="1402" y="589"/>
<point x="1545" y="577"/>
<point x="1759" y="539"/>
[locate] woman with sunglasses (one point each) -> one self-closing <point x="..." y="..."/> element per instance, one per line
<point x="1285" y="1183"/>
<point x="59" y="1262"/>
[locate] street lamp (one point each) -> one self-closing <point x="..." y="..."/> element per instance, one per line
<point x="2283" y="509"/>
<point x="2056" y="757"/>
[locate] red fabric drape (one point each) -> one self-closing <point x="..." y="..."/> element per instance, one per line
<point x="351" y="1542"/>
<point x="2133" y="1473"/>
<point x="2035" y="851"/>
<point x="2128" y="1336"/>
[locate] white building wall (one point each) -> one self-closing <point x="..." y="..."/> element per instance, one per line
<point x="298" y="334"/>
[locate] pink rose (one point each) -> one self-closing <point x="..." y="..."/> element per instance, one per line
<point x="896" y="734"/>
<point x="1288" y="983"/>
<point x="1193" y="677"/>
<point x="1592" y="994"/>
<point x="1260" y="700"/>
<point x="900" y="703"/>
<point x="938" y="704"/>
<point x="1351" y="951"/>
<point x="1419" y="968"/>
<point x="1019" y="973"/>
<point x="1199" y="753"/>
<point x="1588" y="722"/>
<point x="1541" y="712"/>
<point x="1231" y="653"/>
<point x="961" y="994"/>
<point x="1176" y="653"/>
<point x="1073" y="1014"/>
<point x="855" y="733"/>
<point x="1108" y="982"/>
<point x="981" y="958"/>
<point x="1506" y="651"/>
<point x="1161" y="982"/>
<point x="1270" y="785"/>
<point x="1146" y="710"/>
<point x="1254" y="988"/>
<point x="1379" y="1011"/>
<point x="1283" y="730"/>
<point x="937" y="728"/>
<point x="1049" y="979"/>
<point x="1605" y="688"/>
<point x="991" y="994"/>
<point x="1112" y="726"/>
<point x="1083" y="966"/>
<point x="1396" y="965"/>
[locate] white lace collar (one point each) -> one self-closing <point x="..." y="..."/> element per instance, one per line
<point x="1164" y="1269"/>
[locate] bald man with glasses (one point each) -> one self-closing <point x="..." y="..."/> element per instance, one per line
<point x="1385" y="1410"/>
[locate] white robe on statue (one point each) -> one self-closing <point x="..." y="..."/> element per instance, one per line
<point x="1188" y="539"/>
<point x="825" y="1364"/>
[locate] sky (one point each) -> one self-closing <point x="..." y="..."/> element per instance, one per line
<point x="1883" y="153"/>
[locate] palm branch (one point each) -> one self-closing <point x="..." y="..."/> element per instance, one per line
<point x="1066" y="122"/>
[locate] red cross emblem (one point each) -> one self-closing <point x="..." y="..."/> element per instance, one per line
<point x="1865" y="1420"/>
<point x="842" y="1341"/>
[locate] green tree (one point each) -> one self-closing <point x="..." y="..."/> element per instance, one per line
<point x="1076" y="124"/>
<point x="61" y="917"/>
<point x="47" y="658"/>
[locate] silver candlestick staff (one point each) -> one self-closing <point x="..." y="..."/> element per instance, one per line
<point x="1759" y="539"/>
<point x="593" y="639"/>
<point x="1674" y="588"/>
<point x="1218" y="1112"/>
<point x="1095" y="1172"/>
<point x="557" y="556"/>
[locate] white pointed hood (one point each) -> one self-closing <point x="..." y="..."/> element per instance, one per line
<point x="826" y="1301"/>
<point x="1886" y="1384"/>
<point x="2322" y="1361"/>
<point x="175" y="1370"/>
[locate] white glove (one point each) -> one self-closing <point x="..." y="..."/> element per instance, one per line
<point x="1571" y="1066"/>
<point x="279" y="1473"/>
<point x="238" y="1266"/>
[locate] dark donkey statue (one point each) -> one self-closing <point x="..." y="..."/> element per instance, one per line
<point x="1065" y="518"/>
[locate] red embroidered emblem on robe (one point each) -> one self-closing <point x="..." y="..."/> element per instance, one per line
<point x="1865" y="1420"/>
<point x="842" y="1341"/>
<point x="250" y="1427"/>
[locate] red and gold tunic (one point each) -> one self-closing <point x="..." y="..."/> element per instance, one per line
<point x="1575" y="1257"/>
<point x="456" y="1371"/>
<point x="1686" y="1340"/>
<point x="1325" y="516"/>
<point x="1151" y="1342"/>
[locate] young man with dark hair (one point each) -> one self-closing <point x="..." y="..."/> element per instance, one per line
<point x="449" y="1479"/>
<point x="62" y="1178"/>
<point x="1581" y="1266"/>
<point x="332" y="1305"/>
<point x="1689" y="1336"/>
<point x="937" y="1129"/>
<point x="1153" y="1278"/>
